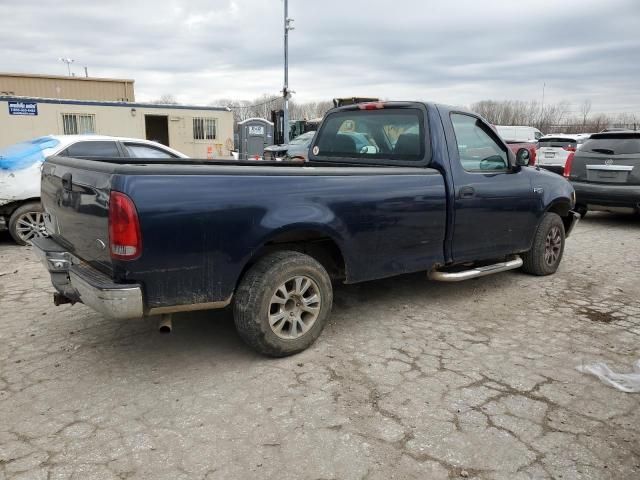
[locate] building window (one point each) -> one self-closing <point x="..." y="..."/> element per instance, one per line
<point x="78" y="123"/>
<point x="204" y="128"/>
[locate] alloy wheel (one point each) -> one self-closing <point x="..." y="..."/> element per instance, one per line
<point x="553" y="245"/>
<point x="294" y="307"/>
<point x="30" y="225"/>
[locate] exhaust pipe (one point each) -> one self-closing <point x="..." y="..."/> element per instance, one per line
<point x="166" y="324"/>
<point x="60" y="299"/>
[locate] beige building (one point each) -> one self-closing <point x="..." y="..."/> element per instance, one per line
<point x="71" y="88"/>
<point x="199" y="132"/>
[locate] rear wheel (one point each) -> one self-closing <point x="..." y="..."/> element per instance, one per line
<point x="282" y="303"/>
<point x="27" y="223"/>
<point x="548" y="246"/>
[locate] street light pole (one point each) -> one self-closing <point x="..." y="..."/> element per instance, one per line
<point x="68" y="61"/>
<point x="285" y="89"/>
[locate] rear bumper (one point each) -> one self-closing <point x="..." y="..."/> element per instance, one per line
<point x="79" y="282"/>
<point x="607" y="195"/>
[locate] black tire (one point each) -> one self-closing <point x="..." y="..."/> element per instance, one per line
<point x="581" y="210"/>
<point x="31" y="207"/>
<point x="550" y="235"/>
<point x="253" y="302"/>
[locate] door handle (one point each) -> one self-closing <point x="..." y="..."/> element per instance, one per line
<point x="67" y="181"/>
<point x="466" y="192"/>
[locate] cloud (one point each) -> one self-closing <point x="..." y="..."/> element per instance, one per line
<point x="455" y="51"/>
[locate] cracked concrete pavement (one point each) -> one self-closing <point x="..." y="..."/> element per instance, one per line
<point x="411" y="379"/>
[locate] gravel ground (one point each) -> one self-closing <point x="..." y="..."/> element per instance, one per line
<point x="411" y="379"/>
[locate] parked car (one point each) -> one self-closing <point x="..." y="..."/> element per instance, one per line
<point x="519" y="133"/>
<point x="20" y="164"/>
<point x="605" y="173"/>
<point x="444" y="196"/>
<point x="296" y="149"/>
<point x="524" y="151"/>
<point x="521" y="140"/>
<point x="554" y="149"/>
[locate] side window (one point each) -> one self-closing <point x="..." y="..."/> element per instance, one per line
<point x="373" y="134"/>
<point x="538" y="134"/>
<point x="94" y="149"/>
<point x="138" y="150"/>
<point x="478" y="151"/>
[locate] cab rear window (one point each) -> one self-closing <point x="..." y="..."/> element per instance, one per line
<point x="396" y="135"/>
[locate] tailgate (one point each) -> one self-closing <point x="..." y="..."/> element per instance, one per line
<point x="76" y="203"/>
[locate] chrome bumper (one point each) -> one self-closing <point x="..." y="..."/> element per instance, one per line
<point x="79" y="282"/>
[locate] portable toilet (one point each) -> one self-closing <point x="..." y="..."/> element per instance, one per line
<point x="254" y="134"/>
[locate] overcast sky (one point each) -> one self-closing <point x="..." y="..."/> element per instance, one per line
<point x="451" y="51"/>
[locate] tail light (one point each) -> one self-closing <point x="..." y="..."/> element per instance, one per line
<point x="125" y="240"/>
<point x="567" y="166"/>
<point x="569" y="148"/>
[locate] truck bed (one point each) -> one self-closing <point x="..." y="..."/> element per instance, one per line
<point x="203" y="221"/>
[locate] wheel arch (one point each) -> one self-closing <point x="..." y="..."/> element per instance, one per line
<point x="317" y="241"/>
<point x="10" y="207"/>
<point x="561" y="207"/>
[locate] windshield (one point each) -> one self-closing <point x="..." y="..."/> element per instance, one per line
<point x="24" y="154"/>
<point x="302" y="139"/>
<point x="613" y="144"/>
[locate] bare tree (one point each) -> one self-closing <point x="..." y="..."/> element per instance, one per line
<point x="262" y="106"/>
<point x="166" y="99"/>
<point x="548" y="118"/>
<point x="585" y="109"/>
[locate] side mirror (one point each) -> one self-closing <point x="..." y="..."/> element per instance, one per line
<point x="522" y="157"/>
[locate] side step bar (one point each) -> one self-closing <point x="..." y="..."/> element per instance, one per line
<point x="475" y="272"/>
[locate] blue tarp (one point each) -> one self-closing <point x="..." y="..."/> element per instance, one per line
<point x="24" y="154"/>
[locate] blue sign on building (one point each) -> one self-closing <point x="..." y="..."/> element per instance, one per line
<point x="23" y="108"/>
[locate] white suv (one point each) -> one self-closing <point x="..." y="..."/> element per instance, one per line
<point x="554" y="149"/>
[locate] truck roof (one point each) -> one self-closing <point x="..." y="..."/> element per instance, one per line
<point x="381" y="105"/>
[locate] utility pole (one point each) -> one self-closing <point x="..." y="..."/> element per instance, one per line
<point x="285" y="90"/>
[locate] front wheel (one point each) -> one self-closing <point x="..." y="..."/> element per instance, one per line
<point x="282" y="303"/>
<point x="548" y="247"/>
<point x="27" y="223"/>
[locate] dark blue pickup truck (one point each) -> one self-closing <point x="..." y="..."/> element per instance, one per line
<point x="389" y="188"/>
